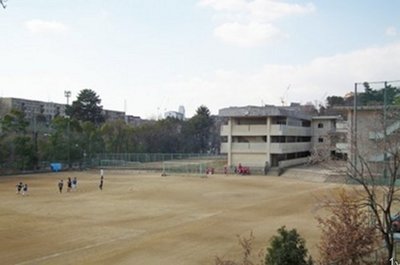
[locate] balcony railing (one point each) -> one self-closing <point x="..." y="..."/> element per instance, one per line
<point x="286" y="130"/>
<point x="261" y="130"/>
<point x="245" y="148"/>
<point x="283" y="148"/>
<point x="245" y="130"/>
<point x="276" y="148"/>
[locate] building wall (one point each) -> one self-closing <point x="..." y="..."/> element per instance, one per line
<point x="256" y="140"/>
<point x="247" y="159"/>
<point x="323" y="130"/>
<point x="31" y="107"/>
<point x="369" y="123"/>
<point x="50" y="110"/>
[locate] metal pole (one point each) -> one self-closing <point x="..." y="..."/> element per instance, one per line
<point x="67" y="94"/>
<point x="354" y="136"/>
<point x="384" y="131"/>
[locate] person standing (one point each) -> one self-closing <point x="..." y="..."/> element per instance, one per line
<point x="74" y="183"/>
<point x="101" y="182"/>
<point x="101" y="179"/>
<point x="60" y="185"/>
<point x="19" y="187"/>
<point x="69" y="185"/>
<point x="25" y="190"/>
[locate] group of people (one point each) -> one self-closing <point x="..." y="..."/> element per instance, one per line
<point x="71" y="184"/>
<point x="22" y="188"/>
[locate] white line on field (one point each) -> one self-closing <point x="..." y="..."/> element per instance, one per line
<point x="35" y="261"/>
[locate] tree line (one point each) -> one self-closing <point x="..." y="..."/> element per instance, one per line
<point x="84" y="131"/>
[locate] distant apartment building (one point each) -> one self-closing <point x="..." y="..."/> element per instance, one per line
<point x="135" y="120"/>
<point x="113" y="115"/>
<point x="49" y="110"/>
<point x="32" y="108"/>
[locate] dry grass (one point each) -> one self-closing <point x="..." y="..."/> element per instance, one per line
<point x="147" y="219"/>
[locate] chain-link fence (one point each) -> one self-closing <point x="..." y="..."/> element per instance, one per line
<point x="374" y="122"/>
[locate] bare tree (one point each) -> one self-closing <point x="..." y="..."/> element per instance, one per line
<point x="373" y="165"/>
<point x="377" y="173"/>
<point x="246" y="243"/>
<point x="348" y="237"/>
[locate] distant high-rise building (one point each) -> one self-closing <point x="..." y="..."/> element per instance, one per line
<point x="180" y="114"/>
<point x="182" y="110"/>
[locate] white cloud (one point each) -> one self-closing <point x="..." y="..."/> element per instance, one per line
<point x="224" y="5"/>
<point x="391" y="32"/>
<point x="37" y="26"/>
<point x="272" y="10"/>
<point x="252" y="19"/>
<point x="310" y="82"/>
<point x="246" y="35"/>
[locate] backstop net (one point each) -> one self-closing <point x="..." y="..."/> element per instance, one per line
<point x="172" y="163"/>
<point x="187" y="167"/>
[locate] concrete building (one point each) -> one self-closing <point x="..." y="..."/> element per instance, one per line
<point x="135" y="120"/>
<point x="180" y="114"/>
<point x="369" y="127"/>
<point x="281" y="136"/>
<point x="113" y="115"/>
<point x="49" y="110"/>
<point x="32" y="108"/>
<point x="329" y="136"/>
<point x="252" y="136"/>
<point x="174" y="114"/>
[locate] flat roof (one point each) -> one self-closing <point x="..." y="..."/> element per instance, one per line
<point x="368" y="107"/>
<point x="255" y="111"/>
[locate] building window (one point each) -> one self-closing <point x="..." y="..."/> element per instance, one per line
<point x="320" y="140"/>
<point x="320" y="125"/>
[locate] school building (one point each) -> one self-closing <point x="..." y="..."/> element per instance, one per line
<point x="279" y="136"/>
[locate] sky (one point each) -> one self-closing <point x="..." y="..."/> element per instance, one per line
<point x="148" y="57"/>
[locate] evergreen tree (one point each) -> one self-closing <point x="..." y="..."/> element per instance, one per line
<point x="86" y="107"/>
<point x="287" y="248"/>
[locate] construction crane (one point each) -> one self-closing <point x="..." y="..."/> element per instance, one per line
<point x="283" y="98"/>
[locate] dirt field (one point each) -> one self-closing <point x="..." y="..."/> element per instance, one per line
<point x="148" y="219"/>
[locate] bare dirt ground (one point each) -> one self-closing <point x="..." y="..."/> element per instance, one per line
<point x="142" y="218"/>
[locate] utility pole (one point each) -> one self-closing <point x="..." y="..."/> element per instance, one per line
<point x="385" y="103"/>
<point x="67" y="94"/>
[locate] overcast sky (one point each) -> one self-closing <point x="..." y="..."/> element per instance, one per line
<point x="156" y="55"/>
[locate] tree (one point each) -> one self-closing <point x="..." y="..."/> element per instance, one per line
<point x="348" y="236"/>
<point x="86" y="107"/>
<point x="14" y="122"/>
<point x="91" y="139"/>
<point x="335" y="101"/>
<point x="247" y="246"/>
<point x="374" y="166"/>
<point x="116" y="136"/>
<point x="17" y="146"/>
<point x="163" y="136"/>
<point x="197" y="131"/>
<point x="287" y="248"/>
